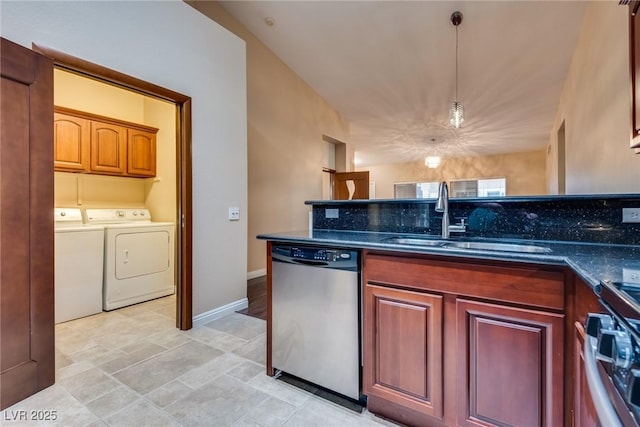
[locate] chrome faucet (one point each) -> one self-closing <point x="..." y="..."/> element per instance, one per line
<point x="442" y="205"/>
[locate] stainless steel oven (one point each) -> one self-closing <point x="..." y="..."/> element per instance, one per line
<point x="612" y="355"/>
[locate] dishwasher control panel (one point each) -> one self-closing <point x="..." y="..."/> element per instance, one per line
<point x="320" y="254"/>
<point x="336" y="258"/>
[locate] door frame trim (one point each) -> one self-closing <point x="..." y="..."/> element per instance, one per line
<point x="184" y="306"/>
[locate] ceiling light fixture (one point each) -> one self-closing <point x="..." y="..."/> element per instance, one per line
<point x="456" y="112"/>
<point x="433" y="161"/>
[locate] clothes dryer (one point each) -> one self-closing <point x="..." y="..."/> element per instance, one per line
<point x="138" y="256"/>
<point x="79" y="257"/>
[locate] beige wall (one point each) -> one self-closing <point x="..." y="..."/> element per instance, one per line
<point x="286" y="124"/>
<point x="525" y="172"/>
<point x="595" y="106"/>
<point x="99" y="191"/>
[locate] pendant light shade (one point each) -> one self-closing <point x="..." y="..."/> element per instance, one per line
<point x="432" y="161"/>
<point x="456" y="112"/>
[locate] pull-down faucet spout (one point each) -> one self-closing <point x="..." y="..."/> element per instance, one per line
<point x="442" y="205"/>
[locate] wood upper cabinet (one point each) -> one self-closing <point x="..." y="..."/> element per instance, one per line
<point x="634" y="63"/>
<point x="511" y="371"/>
<point x="108" y="148"/>
<point x="403" y="349"/>
<point x="141" y="152"/>
<point x="71" y="142"/>
<point x="89" y="143"/>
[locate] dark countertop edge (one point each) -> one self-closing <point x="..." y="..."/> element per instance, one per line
<point x="530" y="258"/>
<point x="541" y="198"/>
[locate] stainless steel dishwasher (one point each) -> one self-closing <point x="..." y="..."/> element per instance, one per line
<point x="316" y="316"/>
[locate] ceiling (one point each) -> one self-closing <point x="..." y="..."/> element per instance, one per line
<point x="388" y="67"/>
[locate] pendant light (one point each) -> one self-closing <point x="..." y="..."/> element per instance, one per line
<point x="433" y="161"/>
<point x="456" y="112"/>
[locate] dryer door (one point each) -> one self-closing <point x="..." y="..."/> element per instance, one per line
<point x="141" y="253"/>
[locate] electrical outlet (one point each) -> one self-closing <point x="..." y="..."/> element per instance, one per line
<point x="234" y="214"/>
<point x="331" y="213"/>
<point x="630" y="215"/>
<point x="630" y="276"/>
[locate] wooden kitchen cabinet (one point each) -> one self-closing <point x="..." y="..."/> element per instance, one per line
<point x="495" y="333"/>
<point x="403" y="349"/>
<point x="584" y="411"/>
<point x="89" y="143"/>
<point x="71" y="143"/>
<point x="634" y="63"/>
<point x="141" y="152"/>
<point x="108" y="148"/>
<point x="511" y="369"/>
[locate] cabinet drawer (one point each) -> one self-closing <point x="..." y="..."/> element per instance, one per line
<point x="529" y="285"/>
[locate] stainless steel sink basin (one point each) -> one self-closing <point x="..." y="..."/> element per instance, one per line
<point x="508" y="247"/>
<point x="485" y="246"/>
<point x="418" y="242"/>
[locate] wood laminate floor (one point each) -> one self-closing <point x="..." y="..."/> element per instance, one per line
<point x="257" y="296"/>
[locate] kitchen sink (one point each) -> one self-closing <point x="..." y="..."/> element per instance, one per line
<point x="418" y="242"/>
<point x="485" y="246"/>
<point x="508" y="247"/>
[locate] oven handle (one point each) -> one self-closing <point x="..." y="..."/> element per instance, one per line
<point x="606" y="414"/>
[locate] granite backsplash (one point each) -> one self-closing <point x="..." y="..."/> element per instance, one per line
<point x="583" y="218"/>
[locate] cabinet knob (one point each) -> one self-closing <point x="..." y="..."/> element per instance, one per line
<point x="597" y="322"/>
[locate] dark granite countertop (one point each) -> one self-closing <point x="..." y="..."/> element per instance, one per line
<point x="592" y="262"/>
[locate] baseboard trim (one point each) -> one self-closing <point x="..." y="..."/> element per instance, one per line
<point x="256" y="273"/>
<point x="219" y="312"/>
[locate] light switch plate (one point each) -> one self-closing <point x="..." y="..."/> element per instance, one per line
<point x="630" y="215"/>
<point x="234" y="214"/>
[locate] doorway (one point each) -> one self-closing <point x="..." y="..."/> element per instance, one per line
<point x="562" y="172"/>
<point x="183" y="215"/>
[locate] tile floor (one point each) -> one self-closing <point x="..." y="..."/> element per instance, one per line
<point x="131" y="367"/>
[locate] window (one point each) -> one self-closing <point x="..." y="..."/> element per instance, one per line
<point x="494" y="187"/>
<point x="416" y="190"/>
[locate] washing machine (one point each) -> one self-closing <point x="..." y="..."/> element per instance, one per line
<point x="138" y="256"/>
<point x="79" y="257"/>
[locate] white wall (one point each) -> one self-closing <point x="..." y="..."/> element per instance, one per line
<point x="596" y="108"/>
<point x="170" y="44"/>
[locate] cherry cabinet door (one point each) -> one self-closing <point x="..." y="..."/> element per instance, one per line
<point x="403" y="351"/>
<point x="510" y="365"/>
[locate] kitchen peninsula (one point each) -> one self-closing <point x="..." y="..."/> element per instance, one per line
<point x="485" y="326"/>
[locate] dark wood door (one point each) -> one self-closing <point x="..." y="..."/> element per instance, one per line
<point x="350" y="185"/>
<point x="512" y="370"/>
<point x="26" y="224"/>
<point x="403" y="353"/>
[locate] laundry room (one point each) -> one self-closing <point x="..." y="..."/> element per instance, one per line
<point x="124" y="188"/>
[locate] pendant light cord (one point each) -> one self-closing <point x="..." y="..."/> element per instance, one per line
<point x="456" y="63"/>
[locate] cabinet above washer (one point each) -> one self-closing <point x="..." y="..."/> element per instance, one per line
<point x="89" y="143"/>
